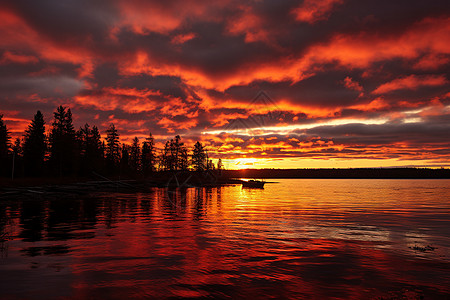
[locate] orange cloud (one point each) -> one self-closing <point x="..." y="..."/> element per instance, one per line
<point x="144" y="16"/>
<point x="352" y="85"/>
<point x="283" y="68"/>
<point x="352" y="51"/>
<point x="16" y="33"/>
<point x="183" y="38"/>
<point x="435" y="108"/>
<point x="250" y="25"/>
<point x="218" y="120"/>
<point x="312" y="11"/>
<point x="411" y="82"/>
<point x="176" y="107"/>
<point x="13" y="29"/>
<point x="361" y="50"/>
<point x="311" y="111"/>
<point x="374" y="105"/>
<point x="431" y="62"/>
<point x="16" y="125"/>
<point x="10" y="57"/>
<point x="130" y="100"/>
<point x="171" y="125"/>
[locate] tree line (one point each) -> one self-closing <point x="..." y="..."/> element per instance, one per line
<point x="65" y="151"/>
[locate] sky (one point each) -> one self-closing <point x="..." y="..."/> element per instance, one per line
<point x="263" y="84"/>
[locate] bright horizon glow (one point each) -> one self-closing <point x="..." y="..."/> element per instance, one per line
<point x="298" y="163"/>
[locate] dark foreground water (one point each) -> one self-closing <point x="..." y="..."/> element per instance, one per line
<point x="298" y="238"/>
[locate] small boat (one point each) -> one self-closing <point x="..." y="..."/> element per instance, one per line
<point x="256" y="184"/>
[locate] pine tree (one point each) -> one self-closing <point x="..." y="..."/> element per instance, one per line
<point x="4" y="139"/>
<point x="184" y="159"/>
<point x="112" y="147"/>
<point x="148" y="157"/>
<point x="210" y="165"/>
<point x="4" y="147"/>
<point x="199" y="157"/>
<point x="62" y="142"/>
<point x="95" y="149"/>
<point x="135" y="155"/>
<point x="125" y="158"/>
<point x="35" y="146"/>
<point x="176" y="152"/>
<point x="17" y="147"/>
<point x="17" y="150"/>
<point x="166" y="157"/>
<point x="172" y="154"/>
<point x="90" y="148"/>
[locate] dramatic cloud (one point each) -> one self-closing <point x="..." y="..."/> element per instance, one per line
<point x="268" y="81"/>
<point x="311" y="11"/>
<point x="411" y="82"/>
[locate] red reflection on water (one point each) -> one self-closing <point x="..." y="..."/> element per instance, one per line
<point x="220" y="242"/>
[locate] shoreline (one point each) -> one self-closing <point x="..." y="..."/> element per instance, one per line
<point x="63" y="186"/>
<point x="232" y="176"/>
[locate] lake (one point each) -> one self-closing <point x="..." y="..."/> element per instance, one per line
<point x="297" y="238"/>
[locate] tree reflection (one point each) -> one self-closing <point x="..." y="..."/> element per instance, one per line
<point x="69" y="219"/>
<point x="32" y="220"/>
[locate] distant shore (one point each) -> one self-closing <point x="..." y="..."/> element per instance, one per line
<point x="76" y="186"/>
<point x="161" y="179"/>
<point x="357" y="173"/>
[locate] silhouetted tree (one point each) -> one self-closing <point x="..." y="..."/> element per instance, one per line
<point x="148" y="157"/>
<point x="135" y="156"/>
<point x="4" y="146"/>
<point x="91" y="149"/>
<point x="17" y="149"/>
<point x="209" y="165"/>
<point x="4" y="137"/>
<point x="112" y="147"/>
<point x="35" y="146"/>
<point x="175" y="148"/>
<point x="81" y="135"/>
<point x="184" y="159"/>
<point x="174" y="155"/>
<point x="199" y="157"/>
<point x="62" y="142"/>
<point x="166" y="158"/>
<point x="103" y="148"/>
<point x="125" y="158"/>
<point x="96" y="149"/>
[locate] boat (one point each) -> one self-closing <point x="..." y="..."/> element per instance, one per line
<point x="256" y="184"/>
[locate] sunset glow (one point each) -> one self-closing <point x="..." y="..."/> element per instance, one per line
<point x="263" y="84"/>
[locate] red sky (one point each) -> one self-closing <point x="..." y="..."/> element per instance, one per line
<point x="325" y="83"/>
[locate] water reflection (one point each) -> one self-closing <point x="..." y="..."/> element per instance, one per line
<point x="294" y="239"/>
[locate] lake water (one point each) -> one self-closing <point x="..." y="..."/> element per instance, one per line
<point x="298" y="238"/>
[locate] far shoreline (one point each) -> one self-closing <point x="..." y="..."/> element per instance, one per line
<point x="220" y="177"/>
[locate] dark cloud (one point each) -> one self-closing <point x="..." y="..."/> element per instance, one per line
<point x="70" y="21"/>
<point x="167" y="85"/>
<point x="191" y="67"/>
<point x="323" y="90"/>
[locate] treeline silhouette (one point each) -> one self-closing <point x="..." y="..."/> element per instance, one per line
<point x="64" y="151"/>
